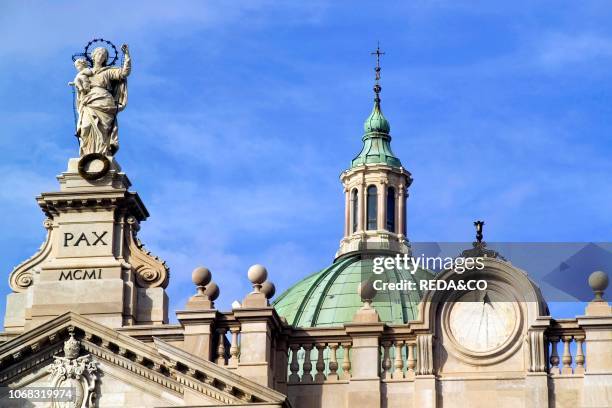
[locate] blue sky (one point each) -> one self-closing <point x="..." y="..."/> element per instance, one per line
<point x="242" y="115"/>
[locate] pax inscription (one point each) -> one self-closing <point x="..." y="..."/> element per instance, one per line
<point x="85" y="239"/>
<point x="82" y="240"/>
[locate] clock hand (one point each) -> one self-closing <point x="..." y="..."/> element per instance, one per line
<point x="486" y="299"/>
<point x="480" y="323"/>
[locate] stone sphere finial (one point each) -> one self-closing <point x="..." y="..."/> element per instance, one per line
<point x="257" y="275"/>
<point x="598" y="281"/>
<point x="268" y="289"/>
<point x="367" y="291"/>
<point x="212" y="291"/>
<point x="201" y="276"/>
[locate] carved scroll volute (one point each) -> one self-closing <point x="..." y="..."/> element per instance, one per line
<point x="150" y="270"/>
<point x="22" y="276"/>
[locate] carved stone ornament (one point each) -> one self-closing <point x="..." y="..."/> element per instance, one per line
<point x="90" y="158"/>
<point x="78" y="373"/>
<point x="23" y="275"/>
<point x="479" y="250"/>
<point x="150" y="270"/>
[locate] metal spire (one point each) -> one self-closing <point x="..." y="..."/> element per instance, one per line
<point x="479" y="225"/>
<point x="377" y="87"/>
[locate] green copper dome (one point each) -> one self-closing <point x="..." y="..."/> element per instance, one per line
<point x="376" y="141"/>
<point x="329" y="297"/>
<point x="376" y="122"/>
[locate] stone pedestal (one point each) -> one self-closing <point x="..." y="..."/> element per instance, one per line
<point x="425" y="391"/>
<point x="364" y="386"/>
<point x="198" y="332"/>
<point x="536" y="390"/>
<point x="91" y="262"/>
<point x="257" y="327"/>
<point x="597" y="387"/>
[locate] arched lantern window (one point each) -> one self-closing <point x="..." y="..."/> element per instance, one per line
<point x="391" y="209"/>
<point x="372" y="208"/>
<point x="354" y="209"/>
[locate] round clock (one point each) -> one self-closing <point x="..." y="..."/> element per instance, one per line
<point x="481" y="322"/>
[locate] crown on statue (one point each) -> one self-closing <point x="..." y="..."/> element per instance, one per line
<point x="72" y="347"/>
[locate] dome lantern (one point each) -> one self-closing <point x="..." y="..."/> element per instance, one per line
<point x="375" y="188"/>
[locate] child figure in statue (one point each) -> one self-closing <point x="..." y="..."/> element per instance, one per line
<point x="81" y="81"/>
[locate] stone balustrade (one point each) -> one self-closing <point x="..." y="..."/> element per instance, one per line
<point x="331" y="361"/>
<point x="566" y="348"/>
<point x="318" y="355"/>
<point x="398" y="358"/>
<point x="227" y="340"/>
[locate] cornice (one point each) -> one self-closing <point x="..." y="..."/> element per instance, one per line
<point x="161" y="363"/>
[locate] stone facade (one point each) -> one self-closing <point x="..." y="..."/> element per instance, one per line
<point x="250" y="355"/>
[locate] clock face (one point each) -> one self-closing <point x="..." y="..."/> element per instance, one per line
<point x="480" y="323"/>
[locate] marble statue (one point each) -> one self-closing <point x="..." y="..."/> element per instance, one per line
<point x="101" y="95"/>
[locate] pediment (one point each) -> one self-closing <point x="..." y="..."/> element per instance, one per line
<point x="160" y="368"/>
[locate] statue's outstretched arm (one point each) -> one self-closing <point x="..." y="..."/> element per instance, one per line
<point x="127" y="62"/>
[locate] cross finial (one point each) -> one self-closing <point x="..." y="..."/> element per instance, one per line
<point x="479" y="225"/>
<point x="377" y="87"/>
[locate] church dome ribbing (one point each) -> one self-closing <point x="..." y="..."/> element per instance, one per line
<point x="329" y="297"/>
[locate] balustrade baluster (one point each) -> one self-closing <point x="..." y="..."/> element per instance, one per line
<point x="567" y="356"/>
<point x="234" y="349"/>
<point x="411" y="360"/>
<point x="333" y="362"/>
<point x="346" y="361"/>
<point x="221" y="346"/>
<point x="307" y="366"/>
<point x="554" y="356"/>
<point x="579" y="355"/>
<point x="295" y="365"/>
<point x="399" y="360"/>
<point x="386" y="360"/>
<point x="320" y="375"/>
